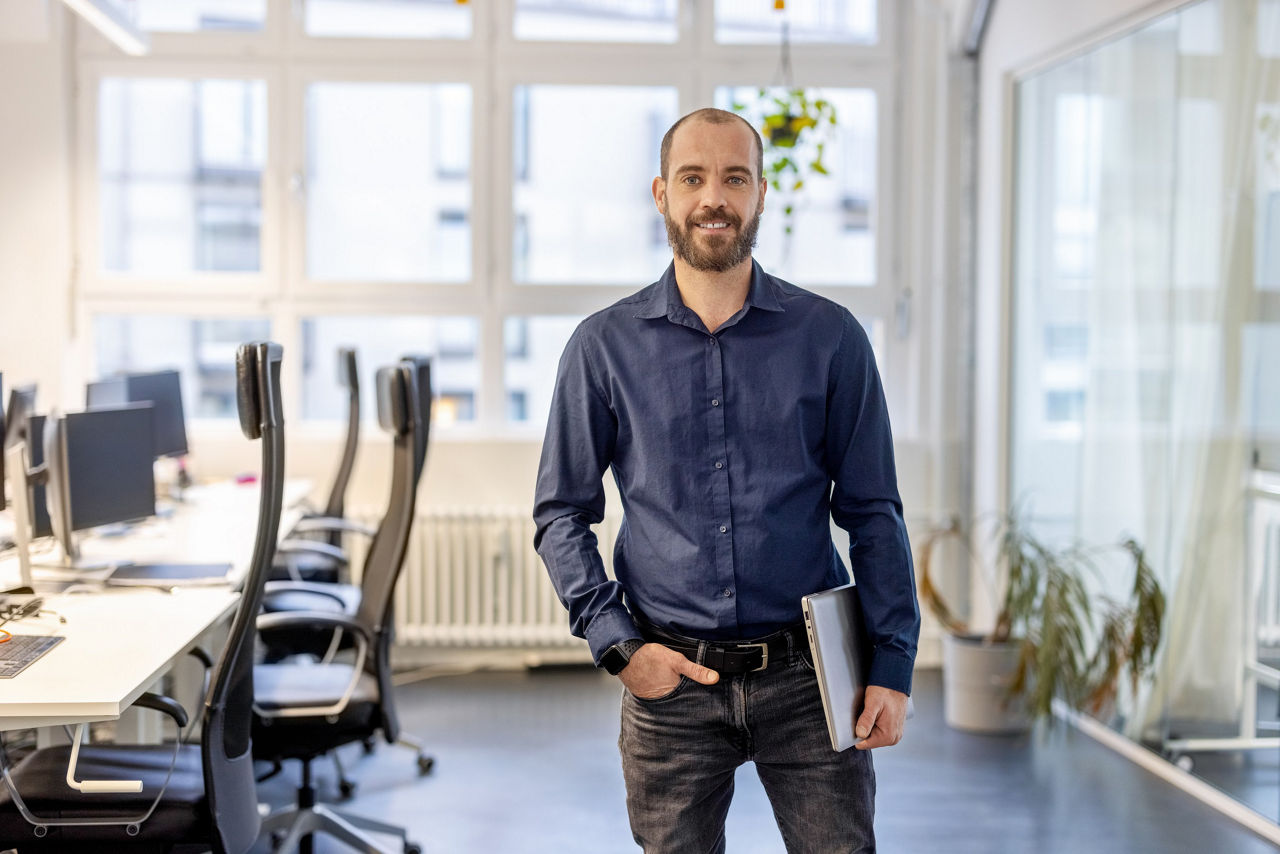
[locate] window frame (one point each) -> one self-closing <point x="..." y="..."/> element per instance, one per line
<point x="492" y="62"/>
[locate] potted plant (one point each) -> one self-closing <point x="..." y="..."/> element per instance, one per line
<point x="1052" y="637"/>
<point x="795" y="126"/>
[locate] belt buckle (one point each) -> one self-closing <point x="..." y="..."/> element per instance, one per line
<point x="764" y="655"/>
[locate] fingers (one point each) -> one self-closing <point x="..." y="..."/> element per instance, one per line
<point x="881" y="721"/>
<point x="697" y="672"/>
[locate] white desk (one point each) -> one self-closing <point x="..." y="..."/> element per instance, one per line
<point x="119" y="641"/>
<point x="215" y="524"/>
<point x="117" y="644"/>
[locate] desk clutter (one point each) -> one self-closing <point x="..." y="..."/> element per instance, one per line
<point x="122" y="593"/>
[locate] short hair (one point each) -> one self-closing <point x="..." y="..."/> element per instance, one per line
<point x="713" y="116"/>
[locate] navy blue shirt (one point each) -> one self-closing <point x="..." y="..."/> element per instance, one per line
<point x="732" y="452"/>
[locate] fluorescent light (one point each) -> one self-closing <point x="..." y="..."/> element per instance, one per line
<point x="107" y="19"/>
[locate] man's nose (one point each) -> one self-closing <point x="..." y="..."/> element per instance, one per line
<point x="712" y="196"/>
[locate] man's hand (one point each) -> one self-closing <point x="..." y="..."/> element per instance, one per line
<point x="882" y="718"/>
<point x="654" y="671"/>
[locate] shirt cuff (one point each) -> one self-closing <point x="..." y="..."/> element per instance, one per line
<point x="889" y="670"/>
<point x="607" y="628"/>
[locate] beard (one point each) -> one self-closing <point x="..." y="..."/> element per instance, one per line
<point x="721" y="255"/>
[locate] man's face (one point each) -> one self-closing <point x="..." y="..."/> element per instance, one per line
<point x="712" y="198"/>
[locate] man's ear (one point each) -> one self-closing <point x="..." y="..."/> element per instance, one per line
<point x="660" y="194"/>
<point x="764" y="188"/>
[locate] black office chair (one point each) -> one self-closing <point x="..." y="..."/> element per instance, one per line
<point x="297" y="595"/>
<point x="313" y="550"/>
<point x="192" y="795"/>
<point x="306" y="710"/>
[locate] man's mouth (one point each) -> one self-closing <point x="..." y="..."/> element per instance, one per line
<point x="712" y="226"/>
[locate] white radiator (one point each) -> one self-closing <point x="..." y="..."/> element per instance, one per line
<point x="472" y="581"/>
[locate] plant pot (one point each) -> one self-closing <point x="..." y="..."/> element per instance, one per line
<point x="975" y="678"/>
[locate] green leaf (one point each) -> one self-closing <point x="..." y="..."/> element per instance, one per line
<point x="798" y="185"/>
<point x="817" y="166"/>
<point x="789" y="210"/>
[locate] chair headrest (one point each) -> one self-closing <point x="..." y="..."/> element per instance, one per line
<point x="257" y="387"/>
<point x="397" y="399"/>
<point x="348" y="373"/>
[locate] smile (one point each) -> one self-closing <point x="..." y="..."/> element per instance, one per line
<point x="712" y="225"/>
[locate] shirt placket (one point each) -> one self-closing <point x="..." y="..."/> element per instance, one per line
<point x="717" y="469"/>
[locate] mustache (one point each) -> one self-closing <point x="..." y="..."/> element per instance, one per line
<point x="720" y="215"/>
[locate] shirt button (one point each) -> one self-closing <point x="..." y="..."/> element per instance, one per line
<point x="724" y="529"/>
<point x="727" y="592"/>
<point x="715" y="401"/>
<point x="719" y="464"/>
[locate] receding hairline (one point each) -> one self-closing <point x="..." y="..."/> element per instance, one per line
<point x="711" y="116"/>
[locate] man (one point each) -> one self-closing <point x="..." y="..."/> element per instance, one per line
<point x="740" y="414"/>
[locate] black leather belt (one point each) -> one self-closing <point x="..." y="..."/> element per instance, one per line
<point x="733" y="656"/>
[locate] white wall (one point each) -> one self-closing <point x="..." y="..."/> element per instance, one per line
<point x="35" y="201"/>
<point x="1019" y="35"/>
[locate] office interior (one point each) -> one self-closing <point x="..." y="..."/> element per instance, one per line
<point x="1057" y="221"/>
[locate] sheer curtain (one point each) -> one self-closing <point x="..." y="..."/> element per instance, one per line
<point x="1137" y="351"/>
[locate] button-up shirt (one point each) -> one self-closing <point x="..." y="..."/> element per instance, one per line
<point x="732" y="452"/>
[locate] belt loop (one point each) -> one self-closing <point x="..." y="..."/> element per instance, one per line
<point x="702" y="651"/>
<point x="791" y="648"/>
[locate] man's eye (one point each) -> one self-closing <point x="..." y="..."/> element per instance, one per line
<point x="691" y="179"/>
<point x="737" y="181"/>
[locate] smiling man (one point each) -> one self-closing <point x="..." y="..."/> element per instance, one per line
<point x="740" y="415"/>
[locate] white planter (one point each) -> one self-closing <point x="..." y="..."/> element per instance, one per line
<point x="975" y="679"/>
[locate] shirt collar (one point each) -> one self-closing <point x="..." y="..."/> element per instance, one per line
<point x="664" y="297"/>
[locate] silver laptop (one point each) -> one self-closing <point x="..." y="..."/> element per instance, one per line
<point x="841" y="657"/>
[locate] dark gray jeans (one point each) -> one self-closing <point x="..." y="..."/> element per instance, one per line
<point x="679" y="753"/>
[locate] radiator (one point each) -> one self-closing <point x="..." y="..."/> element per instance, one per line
<point x="472" y="580"/>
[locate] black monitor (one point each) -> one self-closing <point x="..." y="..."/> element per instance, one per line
<point x="99" y="466"/>
<point x="162" y="388"/>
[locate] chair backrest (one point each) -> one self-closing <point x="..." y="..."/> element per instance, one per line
<point x="228" y="710"/>
<point x="422" y="373"/>
<point x="399" y="414"/>
<point x="349" y="377"/>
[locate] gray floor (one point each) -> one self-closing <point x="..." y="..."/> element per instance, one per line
<point x="527" y="762"/>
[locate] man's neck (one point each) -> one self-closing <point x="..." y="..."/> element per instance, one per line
<point x="714" y="297"/>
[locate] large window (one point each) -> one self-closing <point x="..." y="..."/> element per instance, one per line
<point x="462" y="180"/>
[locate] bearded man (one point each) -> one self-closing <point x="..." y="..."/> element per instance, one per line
<point x="740" y="415"/>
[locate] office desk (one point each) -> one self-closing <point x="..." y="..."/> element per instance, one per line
<point x="120" y="640"/>
<point x="117" y="644"/>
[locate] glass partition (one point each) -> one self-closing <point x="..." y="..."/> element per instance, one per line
<point x="1146" y="358"/>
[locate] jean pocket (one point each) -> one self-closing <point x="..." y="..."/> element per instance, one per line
<point x="670" y="695"/>
<point x="806" y="658"/>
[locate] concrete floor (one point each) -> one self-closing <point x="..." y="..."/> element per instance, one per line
<point x="527" y="762"/>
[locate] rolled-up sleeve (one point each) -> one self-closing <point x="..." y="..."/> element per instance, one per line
<point x="865" y="502"/>
<point x="569" y="498"/>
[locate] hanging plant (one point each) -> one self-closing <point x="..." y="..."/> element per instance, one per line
<point x="795" y="125"/>
<point x="795" y="128"/>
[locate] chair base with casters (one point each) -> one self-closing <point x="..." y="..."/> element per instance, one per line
<point x="289" y="828"/>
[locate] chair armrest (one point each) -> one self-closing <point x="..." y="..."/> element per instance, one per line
<point x="166" y="705"/>
<point x="202" y="656"/>
<point x="320" y="524"/>
<point x="316" y="588"/>
<point x="294" y="546"/>
<point x="281" y="620"/>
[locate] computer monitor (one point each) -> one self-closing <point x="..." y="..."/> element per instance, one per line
<point x="3" y="481"/>
<point x="162" y="388"/>
<point x="22" y="401"/>
<point x="99" y="465"/>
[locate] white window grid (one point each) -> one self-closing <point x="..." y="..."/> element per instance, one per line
<point x="492" y="63"/>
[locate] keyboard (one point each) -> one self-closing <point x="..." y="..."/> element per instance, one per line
<point x="20" y="650"/>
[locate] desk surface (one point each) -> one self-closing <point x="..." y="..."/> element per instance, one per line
<point x="120" y="640"/>
<point x="216" y="523"/>
<point x="117" y="644"/>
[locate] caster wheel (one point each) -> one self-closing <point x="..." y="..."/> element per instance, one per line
<point x="277" y="837"/>
<point x="425" y="764"/>
<point x="412" y="848"/>
<point x="1186" y="763"/>
<point x="367" y="744"/>
<point x="346" y="788"/>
